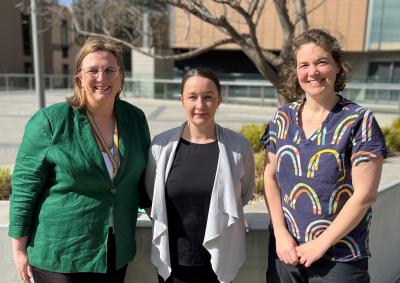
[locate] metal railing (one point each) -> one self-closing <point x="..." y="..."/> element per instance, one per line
<point x="383" y="95"/>
<point x="9" y="82"/>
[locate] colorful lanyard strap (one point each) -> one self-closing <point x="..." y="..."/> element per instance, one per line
<point x="114" y="158"/>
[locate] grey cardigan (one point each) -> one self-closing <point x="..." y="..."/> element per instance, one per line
<point x="233" y="187"/>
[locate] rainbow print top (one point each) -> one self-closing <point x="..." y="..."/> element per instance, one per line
<point x="314" y="174"/>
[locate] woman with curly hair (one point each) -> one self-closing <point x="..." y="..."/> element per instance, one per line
<point x="323" y="167"/>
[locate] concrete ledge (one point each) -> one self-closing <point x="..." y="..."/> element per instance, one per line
<point x="384" y="244"/>
<point x="384" y="264"/>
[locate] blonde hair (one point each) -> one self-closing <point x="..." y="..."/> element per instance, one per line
<point x="91" y="45"/>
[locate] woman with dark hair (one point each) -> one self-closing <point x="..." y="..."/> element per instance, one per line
<point x="77" y="178"/>
<point x="199" y="177"/>
<point x="323" y="167"/>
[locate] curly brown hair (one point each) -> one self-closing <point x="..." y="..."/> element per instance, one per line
<point x="91" y="45"/>
<point x="289" y="85"/>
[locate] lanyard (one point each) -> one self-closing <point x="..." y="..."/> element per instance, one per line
<point x="114" y="158"/>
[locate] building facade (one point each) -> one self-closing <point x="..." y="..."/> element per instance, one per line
<point x="59" y="48"/>
<point x="367" y="29"/>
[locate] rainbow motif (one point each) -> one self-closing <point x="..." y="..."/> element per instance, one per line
<point x="315" y="228"/>
<point x="315" y="135"/>
<point x="342" y="127"/>
<point x="361" y="156"/>
<point x="351" y="244"/>
<point x="295" y="105"/>
<point x="272" y="137"/>
<point x="294" y="155"/>
<point x="335" y="196"/>
<point x="298" y="190"/>
<point x="282" y="120"/>
<point x="292" y="222"/>
<point x="297" y="137"/>
<point x="367" y="126"/>
<point x="321" y="137"/>
<point x="314" y="162"/>
<point x="368" y="219"/>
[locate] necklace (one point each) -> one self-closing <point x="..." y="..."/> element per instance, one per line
<point x="114" y="157"/>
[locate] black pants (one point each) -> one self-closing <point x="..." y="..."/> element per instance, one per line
<point x="321" y="271"/>
<point x="191" y="274"/>
<point x="112" y="275"/>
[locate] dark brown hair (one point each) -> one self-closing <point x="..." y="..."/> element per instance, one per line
<point x="201" y="72"/>
<point x="91" y="45"/>
<point x="289" y="85"/>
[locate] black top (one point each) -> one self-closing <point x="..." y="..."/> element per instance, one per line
<point x="188" y="193"/>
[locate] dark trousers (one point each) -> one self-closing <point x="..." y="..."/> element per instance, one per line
<point x="321" y="271"/>
<point x="191" y="274"/>
<point x="112" y="275"/>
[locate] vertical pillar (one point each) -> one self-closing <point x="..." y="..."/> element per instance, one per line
<point x="37" y="55"/>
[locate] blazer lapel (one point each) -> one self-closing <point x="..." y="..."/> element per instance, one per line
<point x="88" y="143"/>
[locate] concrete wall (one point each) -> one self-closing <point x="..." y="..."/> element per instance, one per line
<point x="385" y="237"/>
<point x="384" y="244"/>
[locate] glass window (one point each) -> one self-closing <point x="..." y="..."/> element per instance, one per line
<point x="64" y="38"/>
<point x="26" y="34"/>
<point x="379" y="72"/>
<point x="384" y="31"/>
<point x="396" y="73"/>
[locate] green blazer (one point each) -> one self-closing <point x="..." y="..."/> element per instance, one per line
<point x="63" y="197"/>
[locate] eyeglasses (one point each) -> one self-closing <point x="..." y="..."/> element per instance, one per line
<point x="108" y="72"/>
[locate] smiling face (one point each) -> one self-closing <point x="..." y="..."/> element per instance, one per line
<point x="316" y="70"/>
<point x="100" y="78"/>
<point x="200" y="100"/>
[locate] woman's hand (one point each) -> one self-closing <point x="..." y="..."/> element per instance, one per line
<point x="311" y="251"/>
<point x="21" y="259"/>
<point x="23" y="268"/>
<point x="285" y="246"/>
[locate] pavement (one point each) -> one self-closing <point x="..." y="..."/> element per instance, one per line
<point x="17" y="107"/>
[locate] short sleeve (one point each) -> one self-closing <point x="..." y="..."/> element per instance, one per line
<point x="268" y="140"/>
<point x="367" y="140"/>
<point x="30" y="174"/>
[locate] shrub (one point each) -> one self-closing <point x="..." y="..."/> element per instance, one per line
<point x="392" y="136"/>
<point x="259" y="166"/>
<point x="5" y="183"/>
<point x="254" y="132"/>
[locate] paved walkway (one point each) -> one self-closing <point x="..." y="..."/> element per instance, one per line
<point x="17" y="107"/>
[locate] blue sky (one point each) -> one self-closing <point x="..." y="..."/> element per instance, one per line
<point x="64" y="2"/>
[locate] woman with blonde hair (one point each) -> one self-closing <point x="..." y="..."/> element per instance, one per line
<point x="76" y="185"/>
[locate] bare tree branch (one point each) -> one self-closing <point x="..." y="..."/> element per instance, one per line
<point x="237" y="20"/>
<point x="301" y="15"/>
<point x="181" y="56"/>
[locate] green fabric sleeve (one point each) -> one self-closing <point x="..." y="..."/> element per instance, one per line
<point x="29" y="175"/>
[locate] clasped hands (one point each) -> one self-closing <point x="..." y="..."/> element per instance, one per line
<point x="305" y="254"/>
